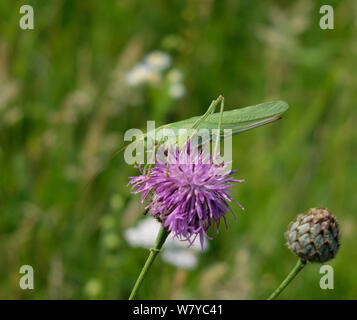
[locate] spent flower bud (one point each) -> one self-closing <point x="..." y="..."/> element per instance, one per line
<point x="314" y="236"/>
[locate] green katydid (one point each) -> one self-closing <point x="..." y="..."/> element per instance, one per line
<point x="237" y="120"/>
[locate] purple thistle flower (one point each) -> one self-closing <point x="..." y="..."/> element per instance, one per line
<point x="188" y="193"/>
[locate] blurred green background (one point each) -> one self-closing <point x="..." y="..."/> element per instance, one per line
<point x="65" y="105"/>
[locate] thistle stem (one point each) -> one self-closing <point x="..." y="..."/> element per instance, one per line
<point x="298" y="267"/>
<point x="160" y="240"/>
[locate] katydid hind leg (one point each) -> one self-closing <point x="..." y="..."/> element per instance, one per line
<point x="219" y="129"/>
<point x="211" y="109"/>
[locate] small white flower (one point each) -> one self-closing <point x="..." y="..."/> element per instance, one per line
<point x="158" y="60"/>
<point x="184" y="259"/>
<point x="137" y="75"/>
<point x="177" y="90"/>
<point x="175" y="76"/>
<point x="141" y="74"/>
<point x="154" y="77"/>
<point x="144" y="234"/>
<point x="175" y="252"/>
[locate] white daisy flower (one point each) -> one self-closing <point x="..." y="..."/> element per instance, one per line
<point x="154" y="77"/>
<point x="137" y="75"/>
<point x="142" y="74"/>
<point x="184" y="259"/>
<point x="158" y="60"/>
<point x="174" y="251"/>
<point x="177" y="90"/>
<point x="175" y="76"/>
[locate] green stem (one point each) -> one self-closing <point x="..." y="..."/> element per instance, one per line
<point x="298" y="267"/>
<point x="160" y="240"/>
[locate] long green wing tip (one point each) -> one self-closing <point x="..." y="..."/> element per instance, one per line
<point x="283" y="106"/>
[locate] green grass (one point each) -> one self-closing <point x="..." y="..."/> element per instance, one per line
<point x="64" y="108"/>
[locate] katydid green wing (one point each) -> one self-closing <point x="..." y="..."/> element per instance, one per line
<point x="238" y="120"/>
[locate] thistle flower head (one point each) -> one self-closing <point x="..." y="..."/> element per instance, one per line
<point x="189" y="193"/>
